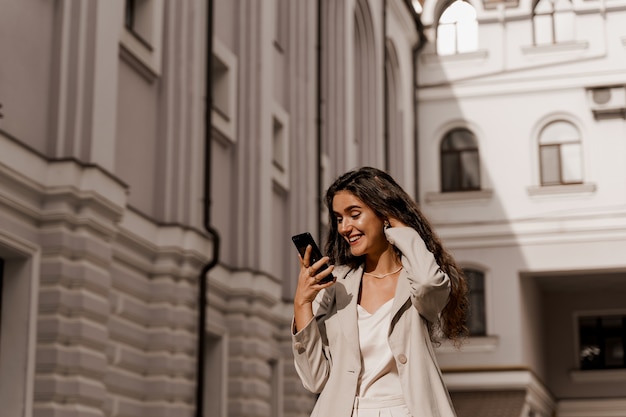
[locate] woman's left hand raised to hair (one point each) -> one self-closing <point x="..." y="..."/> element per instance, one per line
<point x="393" y="222"/>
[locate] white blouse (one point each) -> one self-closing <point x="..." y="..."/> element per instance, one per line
<point x="379" y="376"/>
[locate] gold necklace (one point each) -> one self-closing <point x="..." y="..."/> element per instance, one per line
<point x="383" y="275"/>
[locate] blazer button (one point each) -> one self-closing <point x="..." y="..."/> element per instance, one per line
<point x="297" y="346"/>
<point x="402" y="358"/>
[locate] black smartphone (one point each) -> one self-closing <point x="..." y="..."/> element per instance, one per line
<point x="302" y="241"/>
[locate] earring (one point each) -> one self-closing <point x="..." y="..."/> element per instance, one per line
<point x="386" y="225"/>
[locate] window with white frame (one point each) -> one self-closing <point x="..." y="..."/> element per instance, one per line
<point x="141" y="35"/>
<point x="460" y="168"/>
<point x="457" y="29"/>
<point x="136" y="22"/>
<point x="280" y="146"/>
<point x="476" y="318"/>
<point x="560" y="154"/>
<point x="281" y="37"/>
<point x="602" y="342"/>
<point x="553" y="22"/>
<point x="223" y="88"/>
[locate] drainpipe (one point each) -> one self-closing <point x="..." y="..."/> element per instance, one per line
<point x="416" y="49"/>
<point x="202" y="278"/>
<point x="385" y="91"/>
<point x="318" y="119"/>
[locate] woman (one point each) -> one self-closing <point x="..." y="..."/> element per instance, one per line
<point x="364" y="341"/>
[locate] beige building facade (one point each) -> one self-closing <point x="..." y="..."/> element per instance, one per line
<point x="157" y="155"/>
<point x="522" y="135"/>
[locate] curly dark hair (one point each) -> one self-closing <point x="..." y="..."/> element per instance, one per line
<point x="387" y="199"/>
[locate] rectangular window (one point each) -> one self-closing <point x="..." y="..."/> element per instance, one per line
<point x="602" y="342"/>
<point x="129" y="14"/>
<point x="141" y="36"/>
<point x="476" y="320"/>
<point x="137" y="19"/>
<point x="282" y="25"/>
<point x="221" y="87"/>
<point x="224" y="91"/>
<point x="278" y="148"/>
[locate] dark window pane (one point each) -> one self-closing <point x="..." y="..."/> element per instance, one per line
<point x="471" y="172"/>
<point x="589" y="343"/>
<point x="476" y="319"/>
<point x="612" y="324"/>
<point x="459" y="139"/>
<point x="450" y="175"/>
<point x="129" y="15"/>
<point x="614" y="348"/>
<point x="602" y="342"/>
<point x="613" y="332"/>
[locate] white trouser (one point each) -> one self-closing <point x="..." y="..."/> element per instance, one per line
<point x="380" y="407"/>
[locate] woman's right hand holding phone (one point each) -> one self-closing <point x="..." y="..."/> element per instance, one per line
<point x="310" y="283"/>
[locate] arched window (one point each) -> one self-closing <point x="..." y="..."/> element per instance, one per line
<point x="457" y="29"/>
<point x="477" y="318"/>
<point x="460" y="169"/>
<point x="553" y="22"/>
<point x="560" y="154"/>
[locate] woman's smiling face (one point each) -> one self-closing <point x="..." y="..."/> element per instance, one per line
<point x="359" y="225"/>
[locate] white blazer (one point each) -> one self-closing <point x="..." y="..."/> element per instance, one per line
<point x="326" y="352"/>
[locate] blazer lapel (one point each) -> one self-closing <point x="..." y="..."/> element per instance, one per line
<point x="347" y="295"/>
<point x="401" y="296"/>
